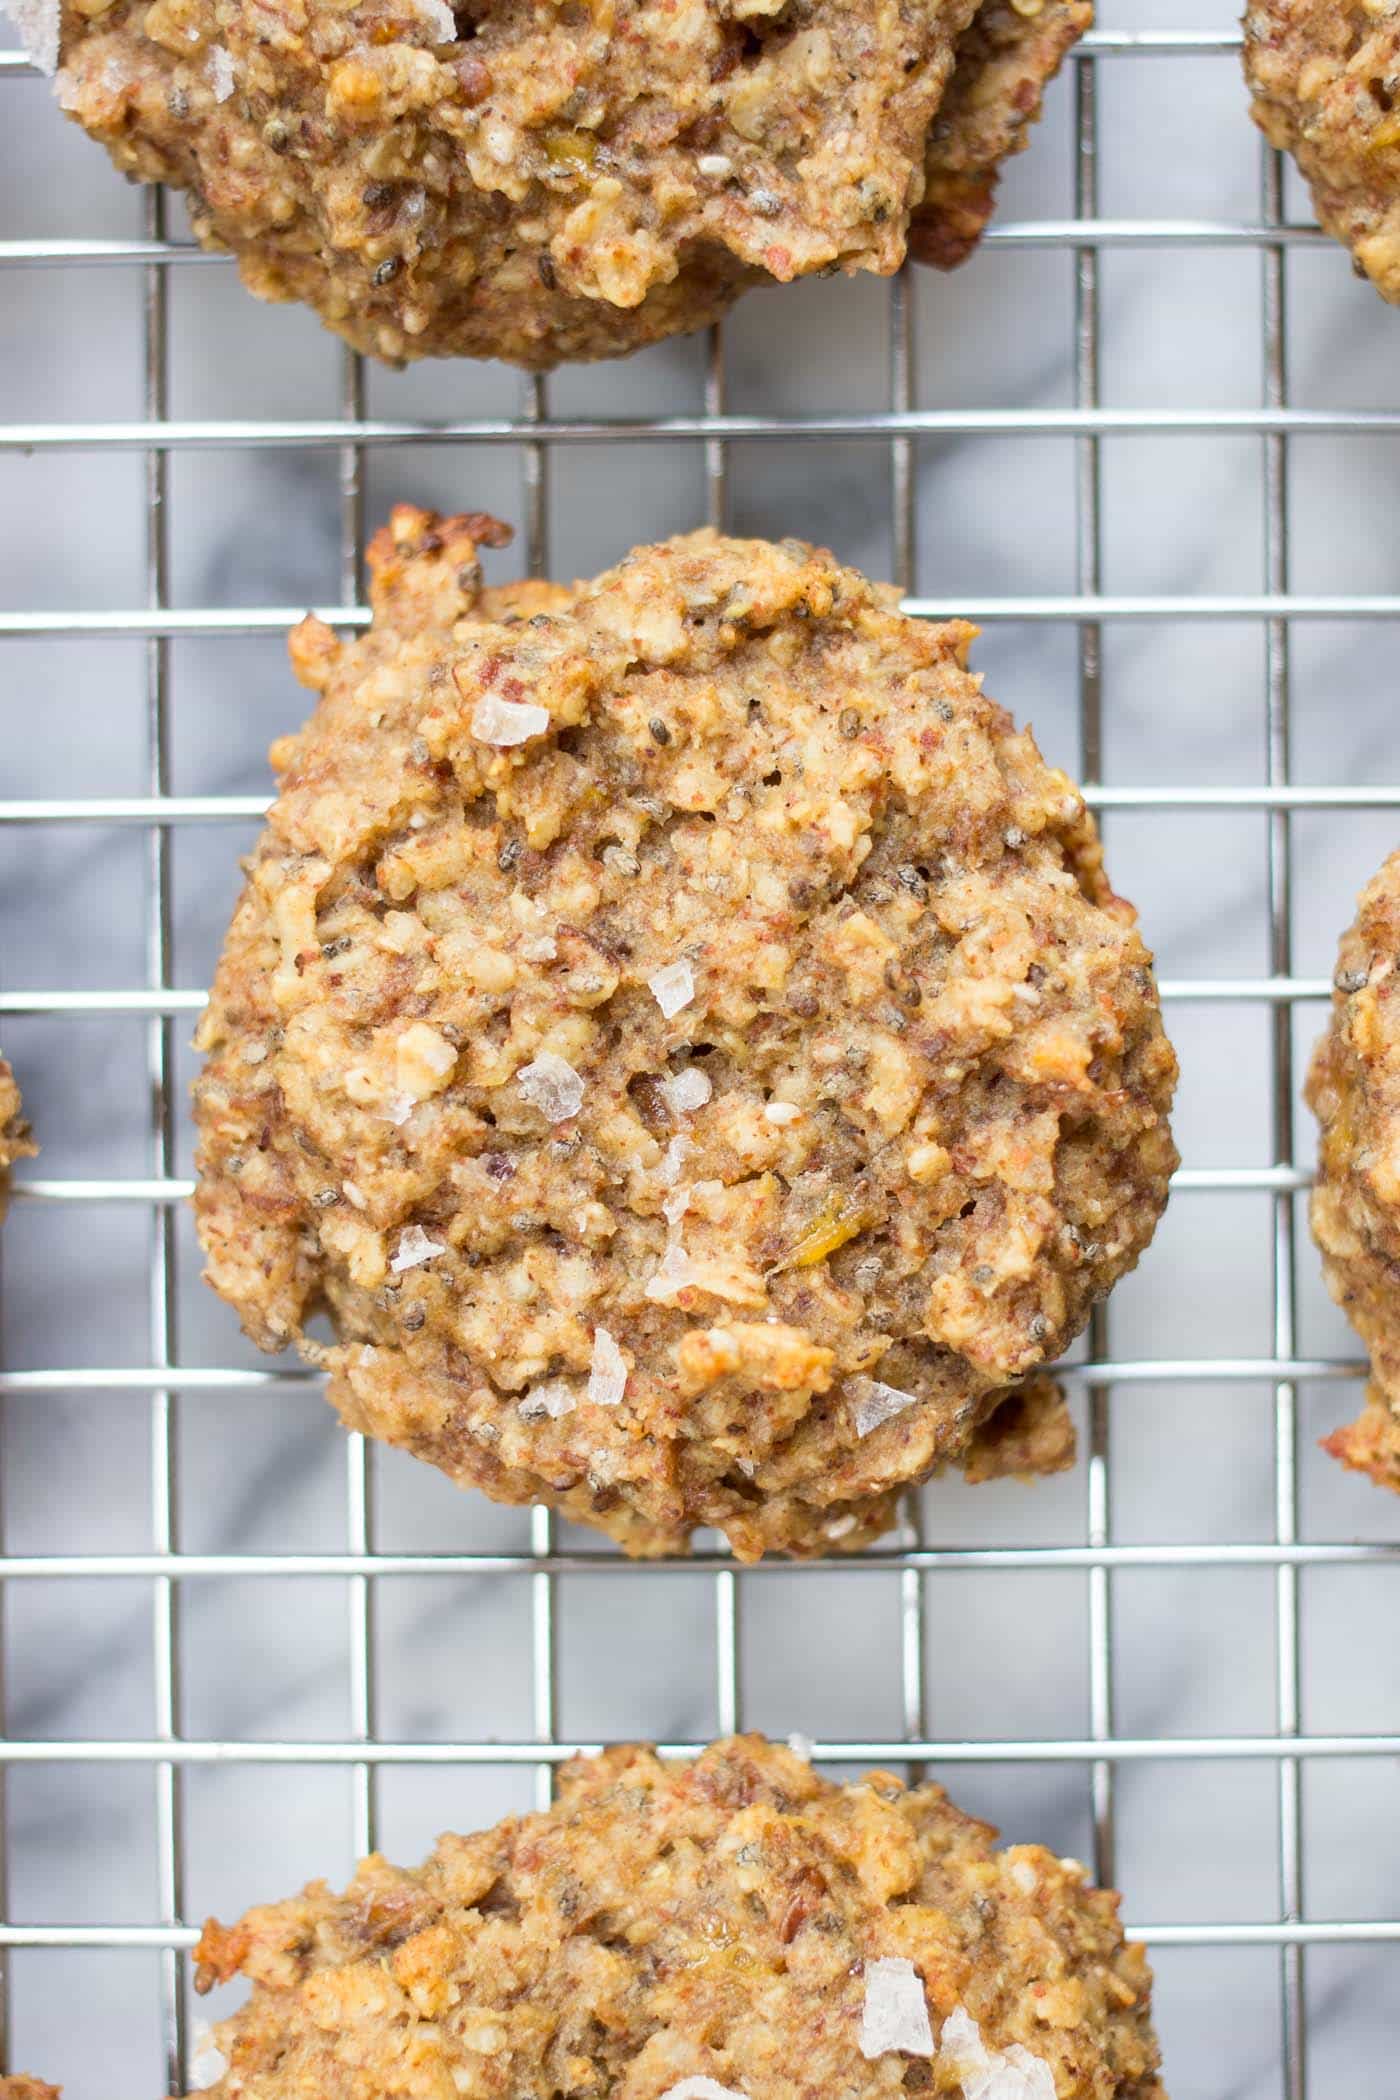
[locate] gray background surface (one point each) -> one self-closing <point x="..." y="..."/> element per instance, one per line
<point x="1007" y="1652"/>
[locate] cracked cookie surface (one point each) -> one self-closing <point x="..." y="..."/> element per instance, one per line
<point x="725" y="1921"/>
<point x="682" y="1032"/>
<point x="540" y="182"/>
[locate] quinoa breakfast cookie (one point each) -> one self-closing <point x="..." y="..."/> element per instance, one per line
<point x="1325" y="77"/>
<point x="734" y="1929"/>
<point x="1354" y="1091"/>
<point x="21" y="2087"/>
<point x="682" y="1032"/>
<point x="537" y="181"/>
<point x="15" y="1141"/>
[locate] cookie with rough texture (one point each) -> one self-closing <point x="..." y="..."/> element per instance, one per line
<point x="668" y="1929"/>
<point x="542" y="182"/>
<point x="20" y="2086"/>
<point x="1354" y="1091"/>
<point x="1325" y="77"/>
<point x="682" y="1032"/>
<point x="15" y="1140"/>
<point x="1005" y="57"/>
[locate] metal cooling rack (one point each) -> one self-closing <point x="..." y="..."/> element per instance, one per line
<point x="158" y="814"/>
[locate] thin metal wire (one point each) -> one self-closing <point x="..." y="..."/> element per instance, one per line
<point x="1276" y="424"/>
<point x="169" y="1803"/>
<point x="359" y="1476"/>
<point x="904" y="521"/>
<point x="1279" y="894"/>
<point x="544" y="1650"/>
<point x="1089" y="582"/>
<point x="728" y="1657"/>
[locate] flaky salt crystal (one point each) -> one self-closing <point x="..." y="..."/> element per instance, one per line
<point x="672" y="1274"/>
<point x="414" y="1249"/>
<point x="881" y="1403"/>
<point x="895" y="2016"/>
<point x="37" y="23"/>
<point x="220" y="73"/>
<point x="399" y="1107"/>
<point x="440" y="17"/>
<point x="507" y="722"/>
<point x="355" y="1194"/>
<point x="207" y="2061"/>
<point x="689" y="1090"/>
<point x="717" y="164"/>
<point x="991" y="2074"/>
<point x="801" y="1746"/>
<point x="781" y="1112"/>
<point x="674" y="1158"/>
<point x="607" y="1374"/>
<point x="551" y="1084"/>
<point x="700" y="2088"/>
<point x="672" y="987"/>
<point x="842" y="1527"/>
<point x="675" y="1206"/>
<point x="553" y="1399"/>
<point x="1024" y="1876"/>
<point x="543" y="948"/>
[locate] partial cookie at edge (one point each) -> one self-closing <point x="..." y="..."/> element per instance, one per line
<point x="1353" y="1089"/>
<point x="731" y="1920"/>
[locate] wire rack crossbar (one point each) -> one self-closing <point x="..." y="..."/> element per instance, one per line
<point x="907" y="433"/>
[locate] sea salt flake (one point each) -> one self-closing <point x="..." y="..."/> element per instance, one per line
<point x="800" y="1746"/>
<point x="689" y="1090"/>
<point x="221" y="78"/>
<point x="439" y="16"/>
<point x="355" y="1194"/>
<point x="715" y="164"/>
<point x="399" y="1107"/>
<point x="674" y="1158"/>
<point x="607" y="1374"/>
<point x="551" y="1084"/>
<point x="701" y="2088"/>
<point x="881" y="1403"/>
<point x="507" y="722"/>
<point x="781" y="1112"/>
<point x="37" y="23"/>
<point x="414" y="1249"/>
<point x="672" y="987"/>
<point x="842" y="1527"/>
<point x="675" y="1206"/>
<point x="1025" y="1876"/>
<point x="207" y="2063"/>
<point x="542" y="949"/>
<point x="673" y="1273"/>
<point x="895" y="2017"/>
<point x="991" y="2074"/>
<point x="551" y="1399"/>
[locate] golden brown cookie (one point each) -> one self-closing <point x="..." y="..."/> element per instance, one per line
<point x="672" y="1932"/>
<point x="1005" y="57"/>
<point x="1354" y="1091"/>
<point x="21" y="2086"/>
<point x="1325" y="77"/>
<point x="541" y="182"/>
<point x="683" y="1033"/>
<point x="15" y="1140"/>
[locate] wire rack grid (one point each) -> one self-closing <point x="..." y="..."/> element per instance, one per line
<point x="361" y="1571"/>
